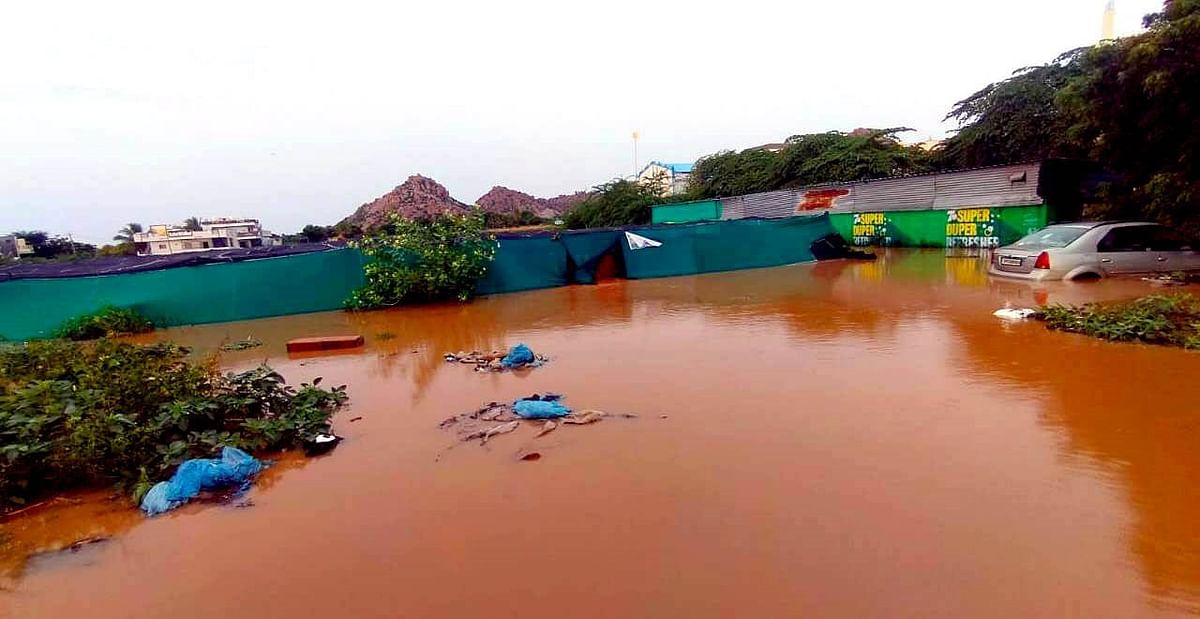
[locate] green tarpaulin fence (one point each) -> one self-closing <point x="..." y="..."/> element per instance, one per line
<point x="33" y="308"/>
<point x="724" y="246"/>
<point x="586" y="248"/>
<point x="525" y="263"/>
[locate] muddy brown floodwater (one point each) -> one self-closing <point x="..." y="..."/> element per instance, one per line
<point x="840" y="440"/>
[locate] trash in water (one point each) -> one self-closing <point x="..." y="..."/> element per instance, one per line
<point x="1010" y="313"/>
<point x="585" y="417"/>
<point x="234" y="467"/>
<point x="540" y="409"/>
<point x="245" y="344"/>
<point x="547" y="428"/>
<point x="521" y="356"/>
<point x="320" y="444"/>
<point x="503" y="428"/>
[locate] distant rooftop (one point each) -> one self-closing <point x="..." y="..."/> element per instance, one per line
<point x="675" y="168"/>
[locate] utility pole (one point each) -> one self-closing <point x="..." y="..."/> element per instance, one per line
<point x="636" y="135"/>
<point x="1108" y="29"/>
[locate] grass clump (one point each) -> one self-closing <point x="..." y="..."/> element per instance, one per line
<point x="1166" y="319"/>
<point x="105" y="322"/>
<point x="78" y="415"/>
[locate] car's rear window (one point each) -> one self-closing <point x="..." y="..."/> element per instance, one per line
<point x="1051" y="236"/>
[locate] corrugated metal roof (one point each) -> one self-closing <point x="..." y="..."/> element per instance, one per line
<point x="675" y="168"/>
<point x="1008" y="185"/>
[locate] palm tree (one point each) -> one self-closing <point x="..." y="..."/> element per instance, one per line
<point x="192" y="223"/>
<point x="126" y="233"/>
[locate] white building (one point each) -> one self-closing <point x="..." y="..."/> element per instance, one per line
<point x="164" y="239"/>
<point x="13" y="246"/>
<point x="673" y="176"/>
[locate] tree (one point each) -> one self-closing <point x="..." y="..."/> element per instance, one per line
<point x="193" y="224"/>
<point x="616" y="203"/>
<point x="808" y="159"/>
<point x="33" y="238"/>
<point x="126" y="234"/>
<point x="416" y="261"/>
<point x="1017" y="119"/>
<point x="1135" y="110"/>
<point x="315" y="234"/>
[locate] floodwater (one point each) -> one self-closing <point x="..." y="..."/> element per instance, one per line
<point x="836" y="440"/>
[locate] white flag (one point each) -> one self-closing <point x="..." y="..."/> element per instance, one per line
<point x="640" y="242"/>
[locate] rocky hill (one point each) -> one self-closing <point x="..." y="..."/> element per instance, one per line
<point x="507" y="201"/>
<point x="416" y="197"/>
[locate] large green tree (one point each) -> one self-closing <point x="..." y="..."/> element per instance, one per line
<point x="616" y="203"/>
<point x="1017" y="119"/>
<point x="1131" y="105"/>
<point x="808" y="159"/>
<point x="1136" y="110"/>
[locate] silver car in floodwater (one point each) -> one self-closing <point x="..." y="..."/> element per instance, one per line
<point x="1096" y="249"/>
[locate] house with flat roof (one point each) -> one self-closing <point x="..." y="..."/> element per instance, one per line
<point x="223" y="233"/>
<point x="672" y="176"/>
<point x="13" y="246"/>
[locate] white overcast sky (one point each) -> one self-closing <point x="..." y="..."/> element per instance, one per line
<point x="294" y="112"/>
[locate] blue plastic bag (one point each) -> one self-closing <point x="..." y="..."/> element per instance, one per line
<point x="518" y="356"/>
<point x="193" y="476"/>
<point x="540" y="409"/>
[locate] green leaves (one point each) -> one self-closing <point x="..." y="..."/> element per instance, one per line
<point x="80" y="414"/>
<point x="808" y="159"/>
<point x="105" y="322"/>
<point x="616" y="203"/>
<point x="417" y="261"/>
<point x="1170" y="320"/>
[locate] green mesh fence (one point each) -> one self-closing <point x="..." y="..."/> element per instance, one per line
<point x="586" y="249"/>
<point x="33" y="308"/>
<point x="724" y="246"/>
<point x="525" y="263"/>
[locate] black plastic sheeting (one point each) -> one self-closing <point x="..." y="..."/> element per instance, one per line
<point x="114" y="265"/>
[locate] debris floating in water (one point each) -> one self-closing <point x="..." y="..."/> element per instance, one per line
<point x="246" y="344"/>
<point x="519" y="357"/>
<point x="494" y="418"/>
<point x="1010" y="313"/>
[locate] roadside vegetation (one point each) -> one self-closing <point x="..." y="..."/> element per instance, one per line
<point x="616" y="203"/>
<point x="108" y="321"/>
<point x="425" y="260"/>
<point x="77" y="415"/>
<point x="1167" y="319"/>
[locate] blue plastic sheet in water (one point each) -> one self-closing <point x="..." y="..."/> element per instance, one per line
<point x="540" y="409"/>
<point x="518" y="356"/>
<point x="193" y="476"/>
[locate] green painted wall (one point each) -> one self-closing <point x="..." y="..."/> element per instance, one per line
<point x="966" y="227"/>
<point x="685" y="212"/>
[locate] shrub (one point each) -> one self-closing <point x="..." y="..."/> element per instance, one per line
<point x="105" y="322"/>
<point x="85" y="414"/>
<point x="415" y="261"/>
<point x="1169" y="319"/>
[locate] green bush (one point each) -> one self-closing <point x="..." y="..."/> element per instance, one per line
<point x="417" y="261"/>
<point x="1169" y="319"/>
<point x="105" y="322"/>
<point x="85" y="414"/>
